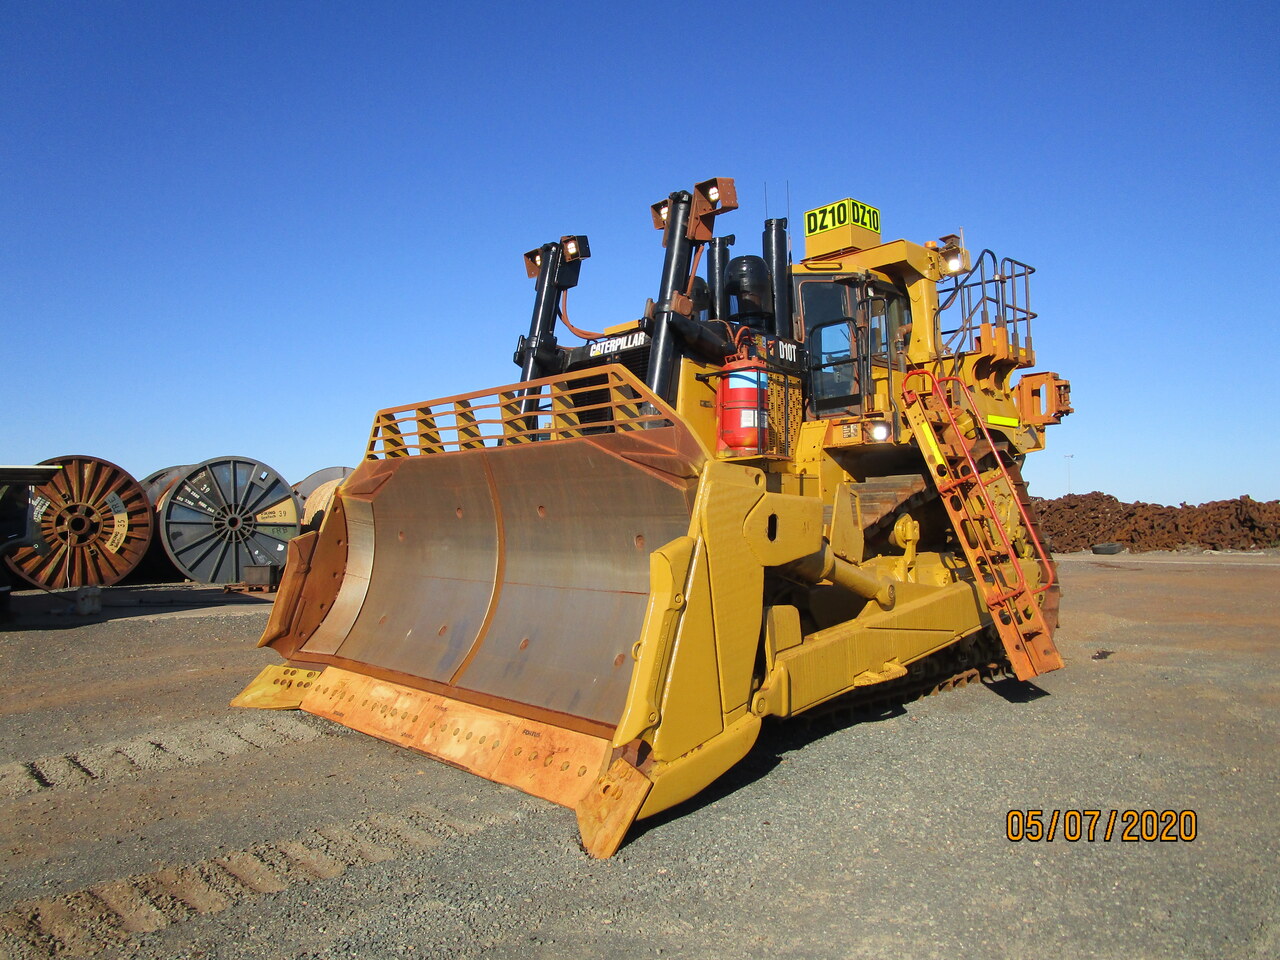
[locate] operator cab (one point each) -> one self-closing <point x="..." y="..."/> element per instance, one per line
<point x="856" y="330"/>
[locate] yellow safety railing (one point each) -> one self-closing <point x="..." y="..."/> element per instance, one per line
<point x="597" y="400"/>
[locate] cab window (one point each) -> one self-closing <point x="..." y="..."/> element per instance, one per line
<point x="833" y="373"/>
<point x="822" y="301"/>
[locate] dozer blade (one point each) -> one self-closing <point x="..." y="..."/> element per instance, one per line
<point x="517" y="574"/>
<point x="481" y="604"/>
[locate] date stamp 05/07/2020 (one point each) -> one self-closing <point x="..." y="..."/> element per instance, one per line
<point x="1091" y="826"/>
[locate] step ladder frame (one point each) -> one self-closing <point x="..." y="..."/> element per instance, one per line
<point x="1017" y="623"/>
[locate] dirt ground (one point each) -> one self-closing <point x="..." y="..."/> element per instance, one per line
<point x="141" y="816"/>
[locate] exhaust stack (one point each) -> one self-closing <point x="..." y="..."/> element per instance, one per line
<point x="774" y="247"/>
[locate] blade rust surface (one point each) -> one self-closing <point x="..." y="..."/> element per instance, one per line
<point x="545" y="761"/>
<point x="516" y="574"/>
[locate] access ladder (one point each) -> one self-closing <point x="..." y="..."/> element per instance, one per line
<point x="989" y="512"/>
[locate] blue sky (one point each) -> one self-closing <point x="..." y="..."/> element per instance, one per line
<point x="242" y="228"/>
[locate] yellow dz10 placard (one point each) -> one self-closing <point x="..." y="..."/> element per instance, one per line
<point x="843" y="213"/>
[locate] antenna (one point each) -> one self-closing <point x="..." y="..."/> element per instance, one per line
<point x="766" y="199"/>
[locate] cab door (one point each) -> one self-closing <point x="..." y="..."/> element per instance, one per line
<point x="882" y="325"/>
<point x="855" y="331"/>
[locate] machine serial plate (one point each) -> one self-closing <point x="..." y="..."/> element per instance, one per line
<point x="842" y="213"/>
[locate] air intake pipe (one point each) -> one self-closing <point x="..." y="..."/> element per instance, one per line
<point x="717" y="263"/>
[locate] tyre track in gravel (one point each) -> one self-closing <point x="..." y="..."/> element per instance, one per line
<point x="109" y="913"/>
<point x="217" y="786"/>
<point x="189" y="744"/>
<point x="154" y="804"/>
<point x="210" y="764"/>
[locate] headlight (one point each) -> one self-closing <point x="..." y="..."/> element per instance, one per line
<point x="878" y="431"/>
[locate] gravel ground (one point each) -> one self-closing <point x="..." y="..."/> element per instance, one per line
<point x="140" y="816"/>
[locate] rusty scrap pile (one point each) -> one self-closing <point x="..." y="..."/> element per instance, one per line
<point x="1078" y="521"/>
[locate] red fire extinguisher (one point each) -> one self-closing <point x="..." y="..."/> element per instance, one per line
<point x="742" y="408"/>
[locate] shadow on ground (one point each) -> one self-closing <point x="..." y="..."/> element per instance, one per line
<point x="780" y="737"/>
<point x="56" y="610"/>
<point x="1016" y="691"/>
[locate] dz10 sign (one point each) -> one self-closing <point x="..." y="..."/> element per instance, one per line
<point x="842" y="213"/>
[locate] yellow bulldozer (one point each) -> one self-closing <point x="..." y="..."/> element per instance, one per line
<point x="785" y="483"/>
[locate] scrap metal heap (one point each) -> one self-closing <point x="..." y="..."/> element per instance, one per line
<point x="784" y="484"/>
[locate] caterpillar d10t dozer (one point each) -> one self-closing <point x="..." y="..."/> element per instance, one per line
<point x="784" y="484"/>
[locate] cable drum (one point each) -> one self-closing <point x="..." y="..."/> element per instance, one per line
<point x="157" y="484"/>
<point x="317" y="492"/>
<point x="303" y="489"/>
<point x="92" y="525"/>
<point x="225" y="514"/>
<point x="318" y="503"/>
<point x="156" y="567"/>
